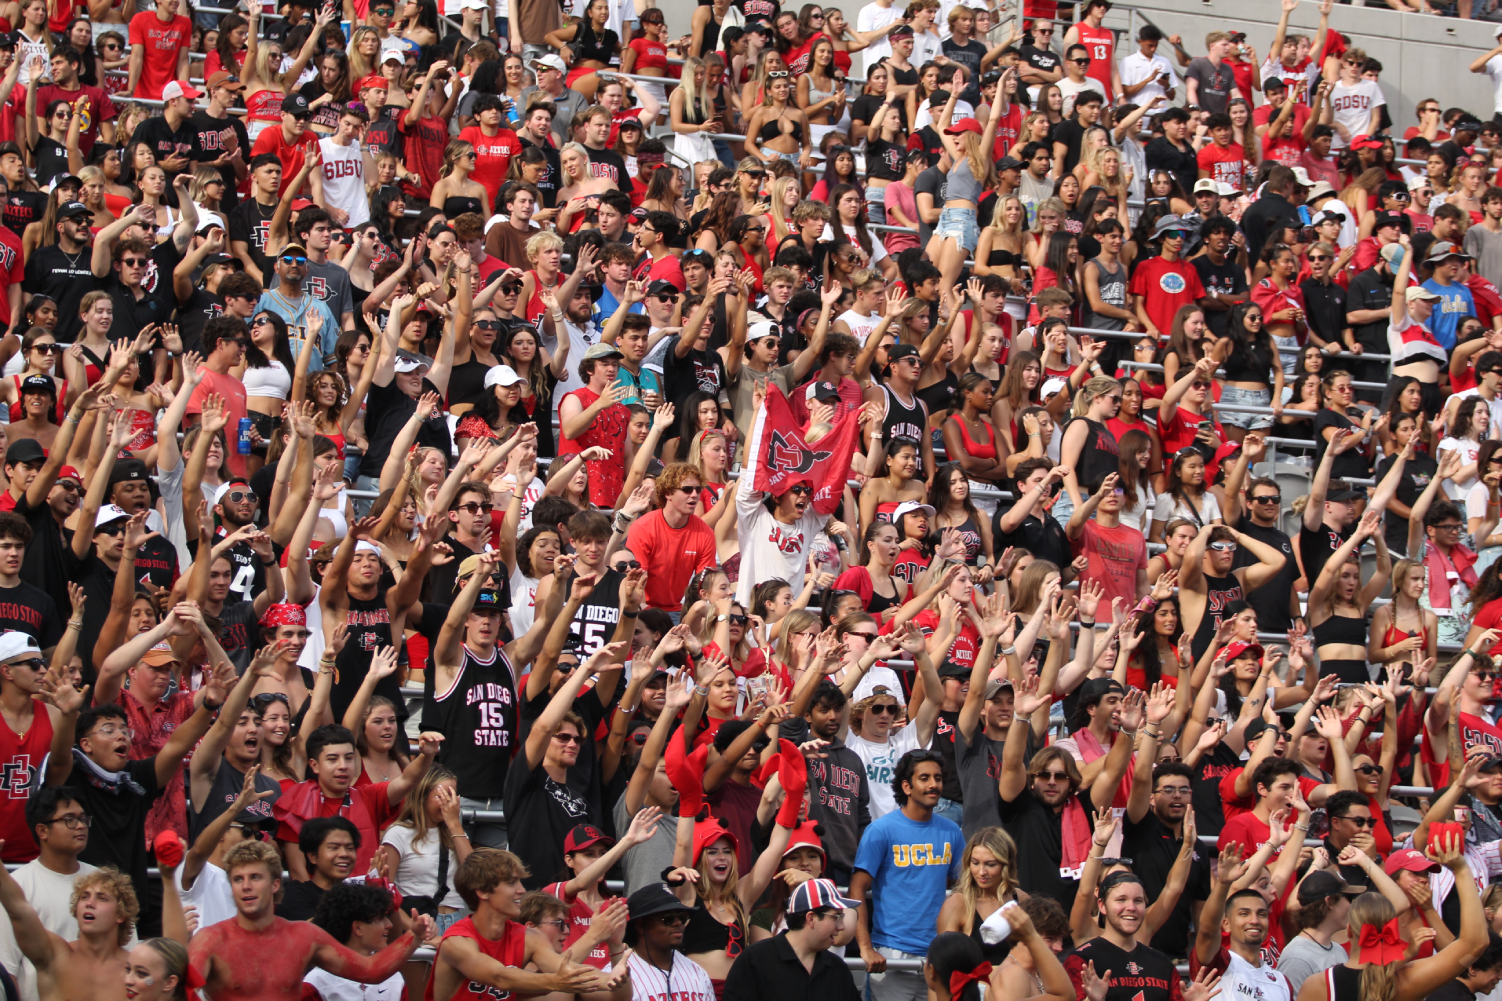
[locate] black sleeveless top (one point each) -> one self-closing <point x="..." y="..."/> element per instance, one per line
<point x="879" y="603"/>
<point x="457" y="205"/>
<point x="467" y="382"/>
<point x="1099" y="456"/>
<point x="994" y="953"/>
<point x="225" y="789"/>
<point x="939" y="397"/>
<point x="1343" y="983"/>
<point x="596" y="48"/>
<point x="1219" y="592"/>
<point x="1004" y="258"/>
<point x="1250" y="362"/>
<point x="904" y="420"/>
<point x="478" y="719"/>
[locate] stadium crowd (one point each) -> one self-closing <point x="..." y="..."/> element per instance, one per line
<point x="553" y="503"/>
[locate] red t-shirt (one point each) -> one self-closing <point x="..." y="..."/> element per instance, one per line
<point x="1233" y="806"/>
<point x="966" y="645"/>
<point x="423" y="142"/>
<point x="1166" y="285"/>
<point x="1242" y="71"/>
<point x="161" y="42"/>
<point x="492" y="158"/>
<point x="1179" y="432"/>
<point x="665" y="268"/>
<point x="12" y="268"/>
<point x="291" y="154"/>
<point x="21" y="755"/>
<point x="233" y="391"/>
<point x="93" y="103"/>
<point x="1413" y="130"/>
<point x="377" y="802"/>
<point x="1225" y="163"/>
<point x="1115" y="555"/>
<point x="671" y="556"/>
<point x="1295" y="78"/>
<point x="580" y="915"/>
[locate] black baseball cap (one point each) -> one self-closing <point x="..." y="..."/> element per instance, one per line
<point x="826" y="392"/>
<point x="127" y="470"/>
<point x="1092" y="691"/>
<point x="295" y="105"/>
<point x="72" y="210"/>
<point x="25" y="450"/>
<point x="899" y="351"/>
<point x="1322" y="883"/>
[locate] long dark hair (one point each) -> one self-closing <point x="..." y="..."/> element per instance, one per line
<point x="281" y="348"/>
<point x="1131" y="474"/>
<point x="340" y="92"/>
<point x="953" y="952"/>
<point x="223" y="47"/>
<point x="1242" y="339"/>
<point x="379" y="212"/>
<point x="862" y="235"/>
<point x="88" y="64"/>
<point x="1147" y="650"/>
<point x="1056" y="259"/>
<point x="1392" y="405"/>
<point x="832" y="179"/>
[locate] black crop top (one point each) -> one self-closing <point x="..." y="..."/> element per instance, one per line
<point x="1003" y="259"/>
<point x="595" y="48"/>
<point x="775" y="125"/>
<point x="1250" y="363"/>
<point x="457" y="205"/>
<point x="704" y="934"/>
<point x="885" y="161"/>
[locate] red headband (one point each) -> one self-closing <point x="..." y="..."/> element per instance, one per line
<point x="1381" y="945"/>
<point x="958" y="979"/>
<point x="285" y="614"/>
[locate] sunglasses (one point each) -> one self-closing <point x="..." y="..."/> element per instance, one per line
<point x="884" y="710"/>
<point x="675" y="918"/>
<point x="51" y="349"/>
<point x="692" y="491"/>
<point x="800" y="488"/>
<point x="292" y="259"/>
<point x="1174" y="234"/>
<point x="35" y="663"/>
<point x="487" y="324"/>
<point x="569" y="738"/>
<point x="628" y="565"/>
<point x="1054" y="776"/>
<point x="1361" y="821"/>
<point x="1108" y="862"/>
<point x="1199" y="385"/>
<point x="1267" y="499"/>
<point x="666" y="298"/>
<point x="135" y="262"/>
<point x="240" y="496"/>
<point x="1080" y="62"/>
<point x="778" y="75"/>
<point x="1313" y="258"/>
<point x="474" y="506"/>
<point x="113" y="528"/>
<point x="868" y="637"/>
<point x="1223" y="547"/>
<point x="509" y="289"/>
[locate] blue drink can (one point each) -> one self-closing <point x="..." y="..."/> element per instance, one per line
<point x="242" y="441"/>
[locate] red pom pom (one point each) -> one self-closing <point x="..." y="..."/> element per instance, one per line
<point x="169" y="849"/>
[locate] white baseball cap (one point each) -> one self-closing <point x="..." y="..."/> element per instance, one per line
<point x="14" y="644"/>
<point x="502" y="375"/>
<point x="109" y="513"/>
<point x="908" y="507"/>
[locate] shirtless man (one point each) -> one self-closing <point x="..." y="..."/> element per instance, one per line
<point x="104" y="904"/>
<point x="487" y="951"/>
<point x="257" y="956"/>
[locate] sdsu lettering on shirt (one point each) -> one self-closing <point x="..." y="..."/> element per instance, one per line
<point x="478" y="719"/>
<point x="834" y="776"/>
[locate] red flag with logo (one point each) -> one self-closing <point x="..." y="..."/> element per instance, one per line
<point x="788" y="458"/>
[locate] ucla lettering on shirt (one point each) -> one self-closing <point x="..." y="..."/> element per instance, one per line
<point x="906" y="855"/>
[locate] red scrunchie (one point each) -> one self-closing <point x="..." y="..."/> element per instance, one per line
<point x="1381" y="945"/>
<point x="168" y="848"/>
<point x="958" y="979"/>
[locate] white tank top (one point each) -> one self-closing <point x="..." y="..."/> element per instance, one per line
<point x="273" y="381"/>
<point x="1246" y="982"/>
<point x="860" y="326"/>
<point x="344" y="180"/>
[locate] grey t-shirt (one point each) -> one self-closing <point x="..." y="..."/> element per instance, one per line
<point x="1113" y="292"/>
<point x="1303" y="958"/>
<point x="932" y="181"/>
<point x="570" y="104"/>
<point x="644" y="863"/>
<point x="1215" y="83"/>
<point x="1486" y="247"/>
<point x="978" y="766"/>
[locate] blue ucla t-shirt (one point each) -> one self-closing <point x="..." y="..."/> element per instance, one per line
<point x="911" y="866"/>
<point x="1456" y="303"/>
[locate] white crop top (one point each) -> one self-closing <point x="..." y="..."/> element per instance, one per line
<point x="272" y="381"/>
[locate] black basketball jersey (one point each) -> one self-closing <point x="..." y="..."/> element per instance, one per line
<point x="904" y="420"/>
<point x="478" y="720"/>
<point x="594" y="624"/>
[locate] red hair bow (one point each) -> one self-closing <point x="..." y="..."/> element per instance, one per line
<point x="1381" y="945"/>
<point x="195" y="978"/>
<point x="958" y="979"/>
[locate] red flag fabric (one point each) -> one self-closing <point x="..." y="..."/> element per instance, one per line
<point x="789" y="459"/>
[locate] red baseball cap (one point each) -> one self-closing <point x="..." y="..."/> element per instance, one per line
<point x="1366" y="142"/>
<point x="584" y="835"/>
<point x="69" y="473"/>
<point x="1408" y="858"/>
<point x="965" y="125"/>
<point x="1237" y="648"/>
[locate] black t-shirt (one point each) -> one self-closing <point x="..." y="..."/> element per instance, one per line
<point x="1153" y="849"/>
<point x="65" y="278"/>
<point x="28" y="609"/>
<point x="387" y="409"/>
<point x="547" y="809"/>
<point x="1070" y="133"/>
<point x="166" y="141"/>
<point x="1271" y="599"/>
<point x="369" y="629"/>
<point x="382" y="135"/>
<point x="211" y="140"/>
<point x="1370" y="290"/>
<point x="1318" y="546"/>
<point x="117" y="835"/>
<point x="1042" y="60"/>
<point x="697" y="371"/>
<point x="238" y="632"/>
<point x="1417" y="472"/>
<point x="548" y="186"/>
<point x="1215" y="765"/>
<point x="1325" y="308"/>
<point x="1183" y="164"/>
<point x="607" y="163"/>
<point x="250" y="222"/>
<point x="132" y="314"/>
<point x="23" y="207"/>
<point x="1043" y="537"/>
<point x="299" y="900"/>
<point x="1228" y="279"/>
<point x="1144" y="974"/>
<point x="1037" y="829"/>
<point x="193" y="315"/>
<point x="943" y="742"/>
<point x="864" y="108"/>
<point x="156" y="566"/>
<point x="51" y="159"/>
<point x="884" y="160"/>
<point x="49" y="563"/>
<point x="1350" y="464"/>
<point x="968" y="55"/>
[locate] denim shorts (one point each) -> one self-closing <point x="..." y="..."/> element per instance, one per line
<point x="876" y="205"/>
<point x="1230" y="396"/>
<point x="960" y="224"/>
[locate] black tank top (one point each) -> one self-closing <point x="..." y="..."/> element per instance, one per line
<point x="904" y="420"/>
<point x="1099" y="457"/>
<point x="1219" y="592"/>
<point x="1250" y="362"/>
<point x="457" y="205"/>
<point x="994" y="953"/>
<point x="477" y="717"/>
<point x="225" y="789"/>
<point x="939" y="397"/>
<point x="711" y="34"/>
<point x="1343" y="983"/>
<point x="595" y="48"/>
<point x="467" y="382"/>
<point x="369" y="629"/>
<point x="879" y="604"/>
<point x="596" y="619"/>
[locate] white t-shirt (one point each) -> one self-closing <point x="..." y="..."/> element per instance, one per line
<point x="881" y="764"/>
<point x="878" y="252"/>
<point x="1141" y="516"/>
<point x="1166" y="508"/>
<point x="580" y="340"/>
<point x="768" y="547"/>
<point x="962" y="110"/>
<point x="927" y="46"/>
<point x="1243" y="980"/>
<point x="523" y="602"/>
<point x="1071" y="90"/>
<point x="1495" y="405"/>
<point x="1136" y="68"/>
<point x="210" y="893"/>
<point x="1476" y="501"/>
<point x="1468" y="450"/>
<point x="332" y="988"/>
<point x="860" y="326"/>
<point x="50" y="893"/>
<point x="344" y="180"/>
<point x="874" y="17"/>
<point x="1353" y="108"/>
<point x="1494" y="73"/>
<point x="417" y="872"/>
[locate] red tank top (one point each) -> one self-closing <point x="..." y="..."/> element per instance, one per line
<point x="509" y="950"/>
<point x="1100" y="43"/>
<point x="535" y="308"/>
<point x="264" y="106"/>
<point x="17" y="414"/>
<point x="977" y="449"/>
<point x="1394" y="636"/>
